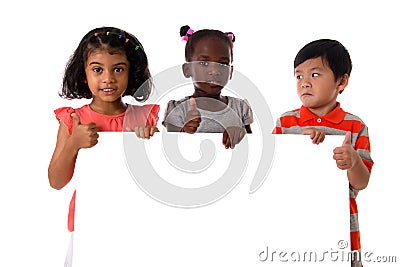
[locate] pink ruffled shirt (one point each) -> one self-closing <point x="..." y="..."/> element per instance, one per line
<point x="132" y="117"/>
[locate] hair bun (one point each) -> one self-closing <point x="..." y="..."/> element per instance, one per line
<point x="231" y="36"/>
<point x="183" y="31"/>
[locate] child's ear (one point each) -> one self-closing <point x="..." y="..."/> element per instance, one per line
<point x="343" y="82"/>
<point x="186" y="70"/>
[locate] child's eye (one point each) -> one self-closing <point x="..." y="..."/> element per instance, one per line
<point x="298" y="77"/>
<point x="97" y="69"/>
<point x="224" y="64"/>
<point x="314" y="75"/>
<point x="204" y="63"/>
<point x="118" y="70"/>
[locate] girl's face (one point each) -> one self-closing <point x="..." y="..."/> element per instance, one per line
<point x="210" y="67"/>
<point x="107" y="75"/>
<point x="317" y="87"/>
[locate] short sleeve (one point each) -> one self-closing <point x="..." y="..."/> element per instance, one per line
<point x="64" y="115"/>
<point x="141" y="115"/>
<point x="174" y="114"/>
<point x="152" y="118"/>
<point x="247" y="113"/>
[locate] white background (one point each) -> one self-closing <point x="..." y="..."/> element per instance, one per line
<point x="37" y="38"/>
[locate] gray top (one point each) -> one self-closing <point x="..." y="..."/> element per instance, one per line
<point x="237" y="113"/>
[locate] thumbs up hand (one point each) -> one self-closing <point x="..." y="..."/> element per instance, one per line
<point x="193" y="118"/>
<point x="83" y="135"/>
<point x="345" y="155"/>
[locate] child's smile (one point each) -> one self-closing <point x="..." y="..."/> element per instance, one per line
<point x="107" y="75"/>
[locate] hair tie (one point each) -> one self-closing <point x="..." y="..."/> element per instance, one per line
<point x="230" y="35"/>
<point x="136" y="48"/>
<point x="188" y="33"/>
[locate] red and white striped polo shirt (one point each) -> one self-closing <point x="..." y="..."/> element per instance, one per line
<point x="337" y="122"/>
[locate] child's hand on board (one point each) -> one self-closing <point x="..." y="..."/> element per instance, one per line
<point x="316" y="135"/>
<point x="83" y="135"/>
<point x="345" y="155"/>
<point x="145" y="131"/>
<point x="232" y="136"/>
<point x="193" y="118"/>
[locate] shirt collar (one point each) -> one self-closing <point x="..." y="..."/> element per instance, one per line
<point x="335" y="116"/>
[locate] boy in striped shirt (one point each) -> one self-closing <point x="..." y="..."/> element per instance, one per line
<point x="322" y="70"/>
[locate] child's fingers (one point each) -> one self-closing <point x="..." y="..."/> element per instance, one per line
<point x="153" y="130"/>
<point x="77" y="120"/>
<point x="228" y="142"/>
<point x="191" y="126"/>
<point x="347" y="139"/>
<point x="138" y="132"/>
<point x="319" y="137"/>
<point x="192" y="104"/>
<point x="193" y="115"/>
<point x="224" y="138"/>
<point x="190" y="129"/>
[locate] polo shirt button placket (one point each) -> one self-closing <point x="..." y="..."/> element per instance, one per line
<point x="319" y="120"/>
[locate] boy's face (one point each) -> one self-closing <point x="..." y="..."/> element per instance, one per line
<point x="210" y="67"/>
<point x="316" y="85"/>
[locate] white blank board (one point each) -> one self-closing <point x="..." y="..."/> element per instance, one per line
<point x="300" y="213"/>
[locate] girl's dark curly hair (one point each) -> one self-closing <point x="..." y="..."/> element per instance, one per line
<point x="112" y="40"/>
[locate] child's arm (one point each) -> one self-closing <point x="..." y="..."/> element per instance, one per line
<point x="348" y="159"/>
<point x="62" y="163"/>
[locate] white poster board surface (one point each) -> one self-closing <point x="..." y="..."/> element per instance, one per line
<point x="300" y="214"/>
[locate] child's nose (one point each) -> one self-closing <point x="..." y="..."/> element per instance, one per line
<point x="305" y="83"/>
<point x="213" y="69"/>
<point x="108" y="77"/>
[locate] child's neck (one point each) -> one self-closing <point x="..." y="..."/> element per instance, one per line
<point x="320" y="112"/>
<point x="211" y="103"/>
<point x="108" y="108"/>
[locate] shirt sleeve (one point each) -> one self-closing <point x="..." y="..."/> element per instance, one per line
<point x="64" y="115"/>
<point x="174" y="114"/>
<point x="363" y="148"/>
<point x="140" y="116"/>
<point x="278" y="128"/>
<point x="247" y="113"/>
<point x="152" y="118"/>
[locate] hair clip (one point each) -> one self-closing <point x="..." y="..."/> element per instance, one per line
<point x="107" y="33"/>
<point x="136" y="48"/>
<point x="120" y="36"/>
<point x="126" y="40"/>
<point x="96" y="34"/>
